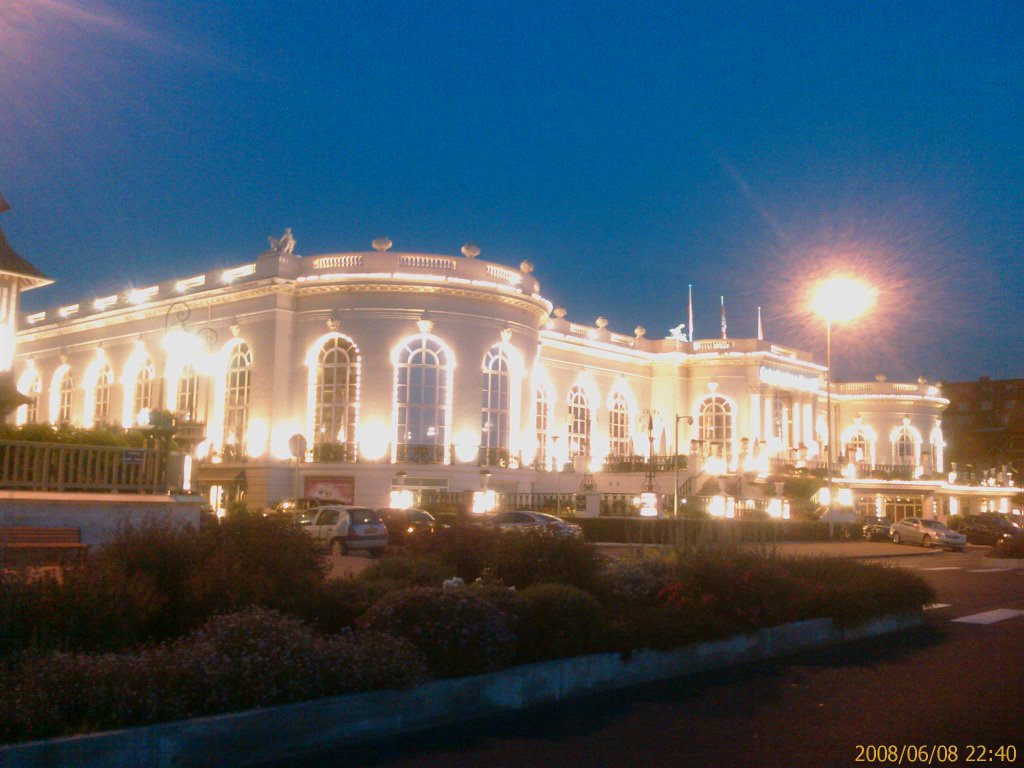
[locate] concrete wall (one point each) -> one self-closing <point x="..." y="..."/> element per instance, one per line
<point x="97" y="515"/>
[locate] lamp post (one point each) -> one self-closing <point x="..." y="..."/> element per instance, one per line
<point x="837" y="299"/>
<point x="675" y="466"/>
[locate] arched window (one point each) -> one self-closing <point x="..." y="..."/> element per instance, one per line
<point x="142" y="395"/>
<point x="579" y="423"/>
<point x="494" y="425"/>
<point x="30" y="386"/>
<point x="543" y="415"/>
<point x="421" y="400"/>
<point x="188" y="384"/>
<point x="904" y="448"/>
<point x="337" y="393"/>
<point x="619" y="444"/>
<point x="857" y="448"/>
<point x="67" y="394"/>
<point x="236" y="393"/>
<point x="101" y="396"/>
<point x="715" y="426"/>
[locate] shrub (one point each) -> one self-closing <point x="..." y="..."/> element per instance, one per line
<point x="556" y="620"/>
<point x="520" y="560"/>
<point x="337" y="603"/>
<point x="426" y="570"/>
<point x="248" y="659"/>
<point x="635" y="581"/>
<point x="457" y="631"/>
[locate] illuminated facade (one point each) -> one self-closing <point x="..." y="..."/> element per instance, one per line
<point x="404" y="371"/>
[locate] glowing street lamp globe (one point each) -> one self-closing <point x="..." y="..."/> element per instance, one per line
<point x="840" y="299"/>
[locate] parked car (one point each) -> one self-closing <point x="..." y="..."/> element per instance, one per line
<point x="294" y="507"/>
<point x="877" y="528"/>
<point x="407" y="524"/>
<point x="927" y="533"/>
<point x="342" y="528"/>
<point x="526" y="521"/>
<point x="989" y="528"/>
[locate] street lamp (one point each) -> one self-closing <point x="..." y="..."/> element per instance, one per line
<point x="837" y="299"/>
<point x="675" y="466"/>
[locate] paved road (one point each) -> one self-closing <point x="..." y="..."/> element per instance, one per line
<point x="948" y="683"/>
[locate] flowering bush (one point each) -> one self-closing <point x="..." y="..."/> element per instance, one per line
<point x="636" y="580"/>
<point x="556" y="620"/>
<point x="458" y="632"/>
<point x="248" y="659"/>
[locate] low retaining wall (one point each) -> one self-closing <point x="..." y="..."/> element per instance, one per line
<point x="273" y="733"/>
<point x="98" y="515"/>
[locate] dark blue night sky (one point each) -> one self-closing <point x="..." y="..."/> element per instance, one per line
<point x="627" y="149"/>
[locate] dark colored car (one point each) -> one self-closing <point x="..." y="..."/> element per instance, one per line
<point x="989" y="528"/>
<point x="877" y="528"/>
<point x="407" y="524"/>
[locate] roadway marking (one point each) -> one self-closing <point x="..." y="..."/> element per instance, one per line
<point x="935" y="606"/>
<point x="990" y="617"/>
<point x="987" y="570"/>
<point x="943" y="568"/>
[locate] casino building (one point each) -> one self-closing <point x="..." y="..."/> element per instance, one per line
<point x="354" y="375"/>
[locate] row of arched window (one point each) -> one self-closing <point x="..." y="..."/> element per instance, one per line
<point x="141" y="393"/>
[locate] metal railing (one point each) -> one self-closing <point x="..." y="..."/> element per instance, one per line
<point x="31" y="466"/>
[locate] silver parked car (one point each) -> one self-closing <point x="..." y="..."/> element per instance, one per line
<point x="342" y="528"/>
<point x="927" y="533"/>
<point x="538" y="522"/>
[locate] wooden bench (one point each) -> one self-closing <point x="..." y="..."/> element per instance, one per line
<point x="53" y="540"/>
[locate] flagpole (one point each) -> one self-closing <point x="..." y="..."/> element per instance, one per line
<point x="760" y="328"/>
<point x="689" y="316"/>
<point x="725" y="326"/>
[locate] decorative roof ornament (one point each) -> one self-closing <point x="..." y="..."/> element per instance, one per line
<point x="559" y="312"/>
<point x="470" y="251"/>
<point x="382" y="244"/>
<point x="601" y="322"/>
<point x="235" y="328"/>
<point x="526" y="267"/>
<point x="639" y="331"/>
<point x="425" y="323"/>
<point x="506" y="334"/>
<point x="283" y="245"/>
<point x="333" y="323"/>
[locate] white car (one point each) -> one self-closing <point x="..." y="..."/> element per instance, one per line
<point x="539" y="522"/>
<point x="927" y="533"/>
<point x="342" y="528"/>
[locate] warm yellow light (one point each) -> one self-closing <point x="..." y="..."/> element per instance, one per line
<point x="280" y="448"/>
<point x="373" y="440"/>
<point x="467" y="446"/>
<point x="840" y="299"/>
<point x="256" y="438"/>
<point x="845" y="497"/>
<point x="401" y="499"/>
<point x="714" y="466"/>
<point x="484" y="502"/>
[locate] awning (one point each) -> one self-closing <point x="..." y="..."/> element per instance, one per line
<point x="214" y="475"/>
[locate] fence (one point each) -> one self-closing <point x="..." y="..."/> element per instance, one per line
<point x="31" y="466"/>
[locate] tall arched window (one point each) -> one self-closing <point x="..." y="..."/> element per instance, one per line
<point x="337" y="393"/>
<point x="579" y="423"/>
<point x="31" y="385"/>
<point x="101" y="396"/>
<point x="421" y="400"/>
<point x="494" y="425"/>
<point x="619" y="444"/>
<point x="236" y="393"/>
<point x="542" y="412"/>
<point x="67" y="395"/>
<point x="904" y="447"/>
<point x="857" y="448"/>
<point x="142" y="395"/>
<point x="188" y="386"/>
<point x="715" y="426"/>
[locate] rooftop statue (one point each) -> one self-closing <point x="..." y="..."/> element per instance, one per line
<point x="283" y="245"/>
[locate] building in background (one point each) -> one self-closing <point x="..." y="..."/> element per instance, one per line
<point x="360" y="375"/>
<point x="985" y="423"/>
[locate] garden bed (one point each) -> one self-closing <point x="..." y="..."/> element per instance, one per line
<point x="164" y="625"/>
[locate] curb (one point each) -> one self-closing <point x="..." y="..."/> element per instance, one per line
<point x="276" y="733"/>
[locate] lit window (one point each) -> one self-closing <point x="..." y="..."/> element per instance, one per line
<point x="715" y="426"/>
<point x="101" y="396"/>
<point x="337" y="392"/>
<point x="143" y="395"/>
<point x="236" y="393"/>
<point x="857" y="448"/>
<point x="579" y="423"/>
<point x="495" y="419"/>
<point x="67" y="393"/>
<point x="188" y="384"/>
<point x="904" y="447"/>
<point x="421" y="400"/>
<point x="29" y="413"/>
<point x="543" y="413"/>
<point x="619" y="444"/>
